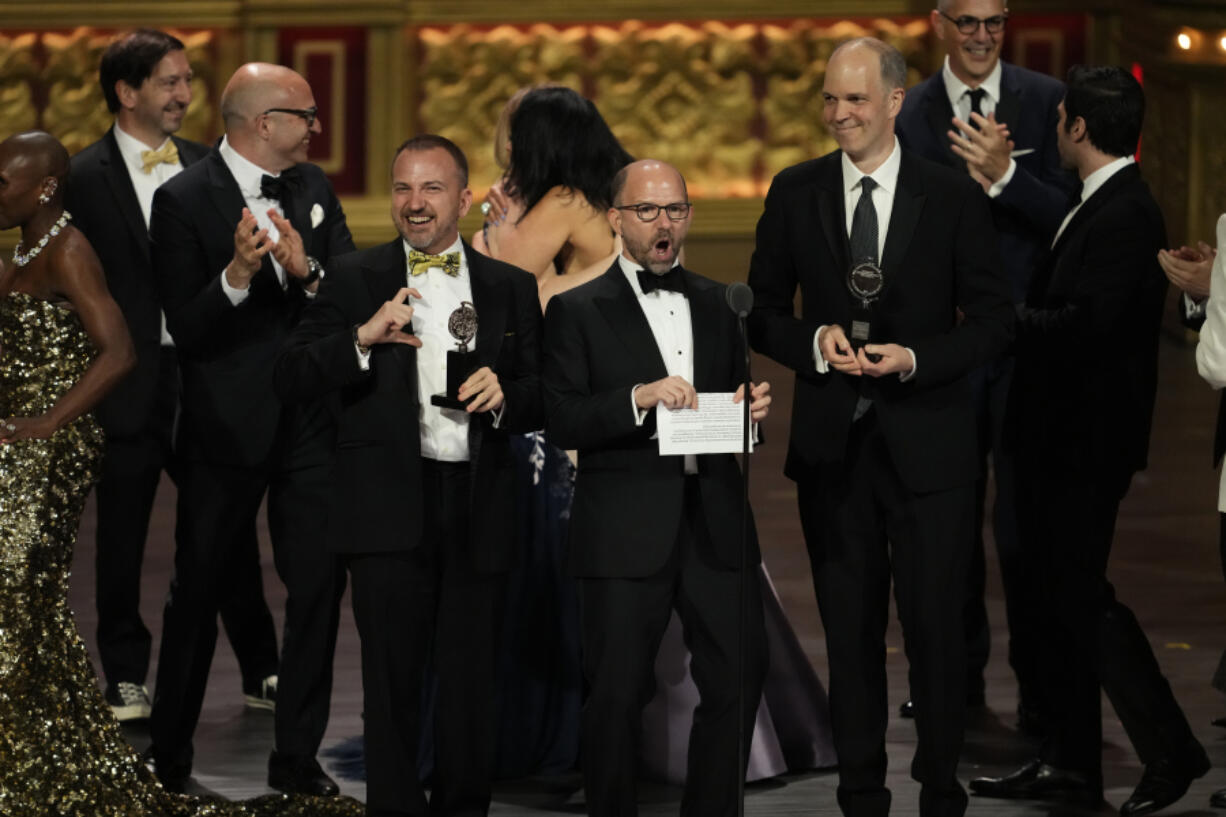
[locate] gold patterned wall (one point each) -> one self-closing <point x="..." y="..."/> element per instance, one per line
<point x="729" y="104"/>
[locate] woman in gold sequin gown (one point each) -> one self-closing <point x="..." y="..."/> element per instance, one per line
<point x="63" y="344"/>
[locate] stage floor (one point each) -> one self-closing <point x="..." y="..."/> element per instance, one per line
<point x="1164" y="565"/>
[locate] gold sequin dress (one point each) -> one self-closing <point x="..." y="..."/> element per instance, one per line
<point x="61" y="751"/>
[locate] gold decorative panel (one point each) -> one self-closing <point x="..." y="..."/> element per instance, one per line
<point x="49" y="80"/>
<point x="729" y="103"/>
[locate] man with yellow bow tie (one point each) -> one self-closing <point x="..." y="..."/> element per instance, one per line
<point x="423" y="504"/>
<point x="147" y="83"/>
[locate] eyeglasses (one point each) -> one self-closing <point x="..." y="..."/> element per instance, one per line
<point x="966" y="24"/>
<point x="308" y="114"/>
<point x="677" y="211"/>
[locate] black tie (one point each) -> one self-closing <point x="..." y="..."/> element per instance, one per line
<point x="280" y="188"/>
<point x="671" y="281"/>
<point x="864" y="225"/>
<point x="976" y="95"/>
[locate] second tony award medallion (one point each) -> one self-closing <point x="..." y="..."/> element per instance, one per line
<point x="866" y="282"/>
<point x="461" y="361"/>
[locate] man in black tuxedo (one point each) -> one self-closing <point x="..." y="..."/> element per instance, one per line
<point x="955" y="117"/>
<point x="146" y="81"/>
<point x="1083" y="431"/>
<point x="882" y="444"/>
<point x="422" y="504"/>
<point x="234" y="239"/>
<point x="652" y="533"/>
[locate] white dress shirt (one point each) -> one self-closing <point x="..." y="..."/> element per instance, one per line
<point x="145" y="184"/>
<point x="1090" y="186"/>
<point x="959" y="94"/>
<point x="1211" y="349"/>
<point x="886" y="178"/>
<point x="248" y="174"/>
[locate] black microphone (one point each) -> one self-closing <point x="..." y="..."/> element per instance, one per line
<point x="740" y="298"/>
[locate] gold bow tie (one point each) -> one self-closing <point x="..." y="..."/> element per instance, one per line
<point x="419" y="262"/>
<point x="167" y="153"/>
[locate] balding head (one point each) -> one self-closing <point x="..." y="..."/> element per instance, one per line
<point x="655" y="243"/>
<point x="264" y="109"/>
<point x="648" y="171"/>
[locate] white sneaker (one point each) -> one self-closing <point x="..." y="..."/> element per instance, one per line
<point x="129" y="701"/>
<point x="265" y="697"/>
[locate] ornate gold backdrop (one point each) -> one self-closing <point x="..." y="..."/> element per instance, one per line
<point x="730" y="99"/>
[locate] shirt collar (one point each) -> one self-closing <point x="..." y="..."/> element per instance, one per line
<point x="886" y="174"/>
<point x="955" y="87"/>
<point x="246" y="173"/>
<point x="1099" y="177"/>
<point x="630" y="268"/>
<point x="131" y="148"/>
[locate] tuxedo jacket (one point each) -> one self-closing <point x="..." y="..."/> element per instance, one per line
<point x="628" y="499"/>
<point x="104" y="207"/>
<point x="940" y="257"/>
<point x="377" y="465"/>
<point x="230" y="413"/>
<point x="1030" y="207"/>
<point x="1087" y="344"/>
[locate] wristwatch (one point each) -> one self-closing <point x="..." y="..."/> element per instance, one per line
<point x="315" y="271"/>
<point x="363" y="350"/>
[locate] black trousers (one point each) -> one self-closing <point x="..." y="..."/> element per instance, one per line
<point x="428" y="607"/>
<point x="862" y="527"/>
<point x="216" y="511"/>
<point x="623" y="621"/>
<point x="131" y="471"/>
<point x="1090" y="639"/>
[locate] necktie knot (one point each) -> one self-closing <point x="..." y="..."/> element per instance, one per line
<point x="671" y="281"/>
<point x="420" y="261"/>
<point x="279" y="188"/>
<point x="167" y="153"/>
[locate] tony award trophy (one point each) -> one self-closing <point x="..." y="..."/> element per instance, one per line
<point x="866" y="282"/>
<point x="461" y="361"/>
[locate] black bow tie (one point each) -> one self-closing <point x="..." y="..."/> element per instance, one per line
<point x="279" y="188"/>
<point x="670" y="281"/>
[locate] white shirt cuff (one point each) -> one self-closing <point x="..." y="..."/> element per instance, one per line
<point x="363" y="358"/>
<point x="820" y="362"/>
<point x="998" y="186"/>
<point x="236" y="296"/>
<point x="1193" y="308"/>
<point x="905" y="376"/>
<point x="498" y="413"/>
<point x="639" y="414"/>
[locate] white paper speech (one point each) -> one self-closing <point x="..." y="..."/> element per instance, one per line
<point x="713" y="428"/>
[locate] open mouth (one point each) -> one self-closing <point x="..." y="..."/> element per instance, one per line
<point x="662" y="248"/>
<point x="420" y="220"/>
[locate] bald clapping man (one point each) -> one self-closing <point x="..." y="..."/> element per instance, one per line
<point x="237" y="240"/>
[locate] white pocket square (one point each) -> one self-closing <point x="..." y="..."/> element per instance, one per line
<point x="317" y="215"/>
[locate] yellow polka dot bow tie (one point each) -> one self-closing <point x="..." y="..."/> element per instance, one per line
<point x="419" y="262"/>
<point x="167" y="153"/>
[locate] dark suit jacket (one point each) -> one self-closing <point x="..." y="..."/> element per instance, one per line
<point x="1029" y="209"/>
<point x="230" y="414"/>
<point x="940" y="255"/>
<point x="1087" y="341"/>
<point x="377" y="469"/>
<point x="628" y="499"/>
<point x="104" y="207"/>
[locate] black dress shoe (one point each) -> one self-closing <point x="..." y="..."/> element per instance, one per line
<point x="907" y="710"/>
<point x="1039" y="781"/>
<point x="1218" y="799"/>
<point x="173" y="778"/>
<point x="1163" y="782"/>
<point x="299" y="775"/>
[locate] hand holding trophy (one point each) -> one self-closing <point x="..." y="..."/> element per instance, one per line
<point x="461" y="361"/>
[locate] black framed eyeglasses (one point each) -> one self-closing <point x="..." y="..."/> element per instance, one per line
<point x="677" y="211"/>
<point x="966" y="24"/>
<point x="309" y="114"/>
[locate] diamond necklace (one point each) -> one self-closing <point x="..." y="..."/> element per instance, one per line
<point x="21" y="259"/>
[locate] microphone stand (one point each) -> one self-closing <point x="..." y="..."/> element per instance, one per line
<point x="743" y="594"/>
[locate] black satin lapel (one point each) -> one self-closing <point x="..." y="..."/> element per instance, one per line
<point x="940" y="121"/>
<point x="704" y="314"/>
<point x="908" y="204"/>
<point x="490" y="301"/>
<point x="833" y="218"/>
<point x="621" y="309"/>
<point x="124" y="192"/>
<point x="1095" y="203"/>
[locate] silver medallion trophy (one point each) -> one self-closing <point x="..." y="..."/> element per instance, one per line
<point x="461" y="361"/>
<point x="866" y="282"/>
